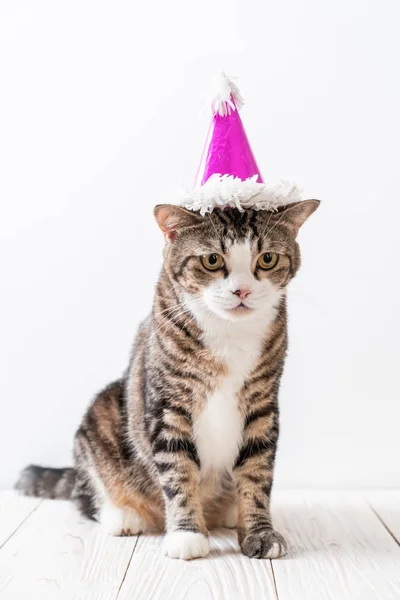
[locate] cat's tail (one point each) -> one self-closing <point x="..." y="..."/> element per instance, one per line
<point x="44" y="482"/>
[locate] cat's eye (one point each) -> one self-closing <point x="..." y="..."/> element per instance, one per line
<point x="268" y="260"/>
<point x="212" y="262"/>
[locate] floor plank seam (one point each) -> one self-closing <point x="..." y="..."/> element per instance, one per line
<point x="384" y="524"/>
<point x="127" y="567"/>
<point x="20" y="525"/>
<point x="274" y="579"/>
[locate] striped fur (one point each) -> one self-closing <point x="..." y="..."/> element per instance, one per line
<point x="186" y="440"/>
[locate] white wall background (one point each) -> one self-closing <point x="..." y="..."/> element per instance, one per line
<point x="101" y="117"/>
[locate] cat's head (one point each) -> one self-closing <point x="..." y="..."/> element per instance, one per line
<point x="230" y="264"/>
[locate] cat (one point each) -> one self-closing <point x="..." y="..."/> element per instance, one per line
<point x="185" y="441"/>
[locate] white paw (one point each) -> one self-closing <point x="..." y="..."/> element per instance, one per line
<point x="186" y="545"/>
<point x="275" y="551"/>
<point x="120" y="521"/>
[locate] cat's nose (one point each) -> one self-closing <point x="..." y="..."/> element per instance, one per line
<point x="242" y="292"/>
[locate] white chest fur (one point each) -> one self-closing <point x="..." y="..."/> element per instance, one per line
<point x="218" y="430"/>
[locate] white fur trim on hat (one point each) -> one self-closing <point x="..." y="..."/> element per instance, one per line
<point x="221" y="191"/>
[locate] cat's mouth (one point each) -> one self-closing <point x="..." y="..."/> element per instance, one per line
<point x="240" y="309"/>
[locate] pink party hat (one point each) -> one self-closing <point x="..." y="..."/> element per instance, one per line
<point x="228" y="175"/>
<point x="227" y="150"/>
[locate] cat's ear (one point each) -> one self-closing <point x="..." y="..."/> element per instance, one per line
<point x="171" y="218"/>
<point x="296" y="214"/>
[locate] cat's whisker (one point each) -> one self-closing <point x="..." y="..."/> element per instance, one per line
<point x="211" y="221"/>
<point x="165" y="325"/>
<point x="168" y="323"/>
<point x="179" y="305"/>
<point x="269" y="219"/>
<point x="170" y="308"/>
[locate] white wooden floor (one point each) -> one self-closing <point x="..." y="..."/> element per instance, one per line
<point x="343" y="545"/>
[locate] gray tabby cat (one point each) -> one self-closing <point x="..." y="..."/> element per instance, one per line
<point x="185" y="441"/>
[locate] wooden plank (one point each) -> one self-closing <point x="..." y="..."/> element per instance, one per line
<point x="339" y="549"/>
<point x="14" y="510"/>
<point x="387" y="506"/>
<point x="57" y="553"/>
<point x="224" y="575"/>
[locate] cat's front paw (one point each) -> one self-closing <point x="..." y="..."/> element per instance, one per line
<point x="265" y="543"/>
<point x="186" y="545"/>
